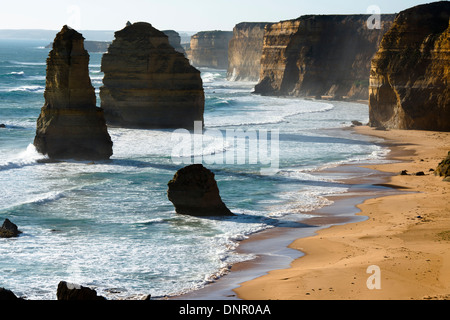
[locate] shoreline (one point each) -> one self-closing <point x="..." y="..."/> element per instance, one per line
<point x="272" y="247"/>
<point x="405" y="234"/>
<point x="410" y="247"/>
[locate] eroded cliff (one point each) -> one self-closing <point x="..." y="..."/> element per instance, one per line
<point x="410" y="75"/>
<point x="245" y="50"/>
<point x="147" y="83"/>
<point x="70" y="125"/>
<point x="320" y="56"/>
<point x="210" y="49"/>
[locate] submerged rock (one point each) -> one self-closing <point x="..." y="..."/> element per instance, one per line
<point x="194" y="191"/>
<point x="9" y="230"/>
<point x="70" y="125"/>
<point x="70" y="291"/>
<point x="148" y="84"/>
<point x="410" y="74"/>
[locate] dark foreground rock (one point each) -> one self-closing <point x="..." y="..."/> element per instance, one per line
<point x="7" y="295"/>
<point x="194" y="191"/>
<point x="9" y="230"/>
<point x="70" y="291"/>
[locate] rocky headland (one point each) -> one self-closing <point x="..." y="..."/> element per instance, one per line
<point x="410" y="74"/>
<point x="194" y="191"/>
<point x="147" y="83"/>
<point x="210" y="49"/>
<point x="323" y="56"/>
<point x="245" y="50"/>
<point x="70" y="126"/>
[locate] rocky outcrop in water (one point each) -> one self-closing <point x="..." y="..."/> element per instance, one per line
<point x="70" y="125"/>
<point x="210" y="49"/>
<point x="147" y="83"/>
<point x="194" y="191"/>
<point x="320" y="56"/>
<point x="74" y="292"/>
<point x="244" y="51"/>
<point x="410" y="74"/>
<point x="9" y="230"/>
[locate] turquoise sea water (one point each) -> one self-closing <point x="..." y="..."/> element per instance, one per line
<point x="109" y="225"/>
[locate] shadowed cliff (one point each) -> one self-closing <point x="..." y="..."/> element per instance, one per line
<point x="320" y="56"/>
<point x="410" y="75"/>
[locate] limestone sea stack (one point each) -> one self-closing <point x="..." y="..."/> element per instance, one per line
<point x="194" y="191"/>
<point x="210" y="49"/>
<point x="148" y="84"/>
<point x="410" y="74"/>
<point x="324" y="56"/>
<point x="244" y="51"/>
<point x="70" y="125"/>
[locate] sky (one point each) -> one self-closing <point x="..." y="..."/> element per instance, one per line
<point x="180" y="15"/>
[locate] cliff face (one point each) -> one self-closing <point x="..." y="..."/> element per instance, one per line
<point x="147" y="84"/>
<point x="410" y="75"/>
<point x="244" y="51"/>
<point x="327" y="55"/>
<point x="210" y="49"/>
<point x="70" y="125"/>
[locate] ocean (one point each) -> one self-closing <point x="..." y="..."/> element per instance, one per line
<point x="109" y="225"/>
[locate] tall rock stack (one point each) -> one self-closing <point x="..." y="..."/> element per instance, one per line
<point x="70" y="125"/>
<point x="244" y="51"/>
<point x="320" y="56"/>
<point x="147" y="83"/>
<point x="410" y="74"/>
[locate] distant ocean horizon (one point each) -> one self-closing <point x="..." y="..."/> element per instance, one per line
<point x="109" y="225"/>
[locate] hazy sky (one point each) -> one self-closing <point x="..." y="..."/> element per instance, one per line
<point x="180" y="15"/>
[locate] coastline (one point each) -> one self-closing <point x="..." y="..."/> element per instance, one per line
<point x="405" y="234"/>
<point x="272" y="247"/>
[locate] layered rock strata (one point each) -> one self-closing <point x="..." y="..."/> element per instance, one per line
<point x="70" y="125"/>
<point x="245" y="50"/>
<point x="194" y="191"/>
<point x="147" y="83"/>
<point x="210" y="49"/>
<point x="320" y="56"/>
<point x="410" y="74"/>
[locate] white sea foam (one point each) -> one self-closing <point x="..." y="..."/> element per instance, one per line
<point x="28" y="157"/>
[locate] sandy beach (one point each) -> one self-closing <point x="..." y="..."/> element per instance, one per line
<point x="400" y="251"/>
